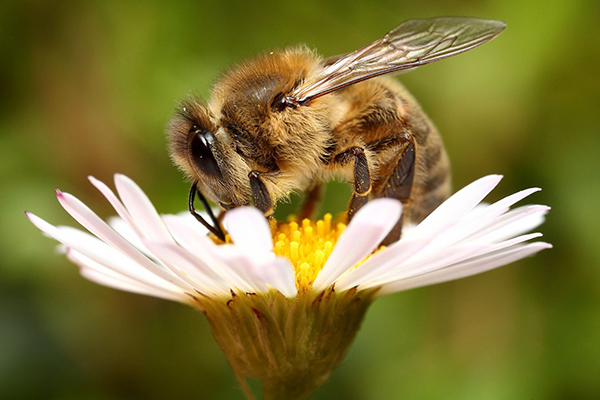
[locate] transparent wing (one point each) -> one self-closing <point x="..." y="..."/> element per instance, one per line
<point x="411" y="44"/>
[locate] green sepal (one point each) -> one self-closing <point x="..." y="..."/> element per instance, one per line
<point x="290" y="345"/>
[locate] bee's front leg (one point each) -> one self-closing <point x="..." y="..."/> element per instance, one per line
<point x="362" y="177"/>
<point x="215" y="229"/>
<point x="262" y="198"/>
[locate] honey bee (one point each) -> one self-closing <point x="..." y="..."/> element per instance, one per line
<point x="290" y="120"/>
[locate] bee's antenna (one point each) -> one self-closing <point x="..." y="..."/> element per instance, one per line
<point x="216" y="229"/>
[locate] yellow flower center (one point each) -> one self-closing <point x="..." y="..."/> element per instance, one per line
<point x="307" y="246"/>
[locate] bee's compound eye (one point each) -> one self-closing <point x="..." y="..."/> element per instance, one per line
<point x="202" y="154"/>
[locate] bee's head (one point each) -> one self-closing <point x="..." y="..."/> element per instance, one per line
<point x="204" y="152"/>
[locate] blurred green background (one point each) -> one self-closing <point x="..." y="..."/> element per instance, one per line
<point x="87" y="88"/>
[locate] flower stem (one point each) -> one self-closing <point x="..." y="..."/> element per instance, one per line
<point x="295" y="390"/>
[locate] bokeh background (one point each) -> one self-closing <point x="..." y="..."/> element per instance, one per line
<point x="87" y="88"/>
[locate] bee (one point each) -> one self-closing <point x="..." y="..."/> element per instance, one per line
<point x="290" y="120"/>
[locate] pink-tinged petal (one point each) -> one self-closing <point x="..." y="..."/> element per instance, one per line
<point x="364" y="233"/>
<point x="86" y="262"/>
<point x="466" y="268"/>
<point x="142" y="211"/>
<point x="88" y="219"/>
<point x="128" y="233"/>
<point x="196" y="242"/>
<point x="103" y="254"/>
<point x="106" y="277"/>
<point x="190" y="268"/>
<point x="116" y="203"/>
<point x="192" y="222"/>
<point x="110" y="282"/>
<point x="279" y="274"/>
<point x="249" y="230"/>
<point x="245" y="272"/>
<point x="457" y="205"/>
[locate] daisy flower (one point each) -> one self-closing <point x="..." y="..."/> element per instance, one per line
<point x="285" y="302"/>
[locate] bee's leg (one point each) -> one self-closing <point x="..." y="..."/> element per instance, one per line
<point x="399" y="185"/>
<point x="311" y="198"/>
<point x="362" y="177"/>
<point x="260" y="194"/>
<point x="397" y="181"/>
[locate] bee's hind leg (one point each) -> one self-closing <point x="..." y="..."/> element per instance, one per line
<point x="398" y="186"/>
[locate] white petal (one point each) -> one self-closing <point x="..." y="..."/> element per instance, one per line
<point x="279" y="274"/>
<point x="431" y="262"/>
<point x="467" y="268"/>
<point x="196" y="242"/>
<point x="457" y="205"/>
<point x="513" y="223"/>
<point x="128" y="233"/>
<point x="189" y="219"/>
<point x="502" y="206"/>
<point x="247" y="277"/>
<point x="95" y="225"/>
<point x="87" y="262"/>
<point x="103" y="276"/>
<point x="364" y="233"/>
<point x="383" y="268"/>
<point x="506" y="243"/>
<point x="182" y="262"/>
<point x="475" y="221"/>
<point x="113" y="283"/>
<point x="117" y="205"/>
<point x="101" y="253"/>
<point x="249" y="230"/>
<point x="381" y="263"/>
<point x="141" y="209"/>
